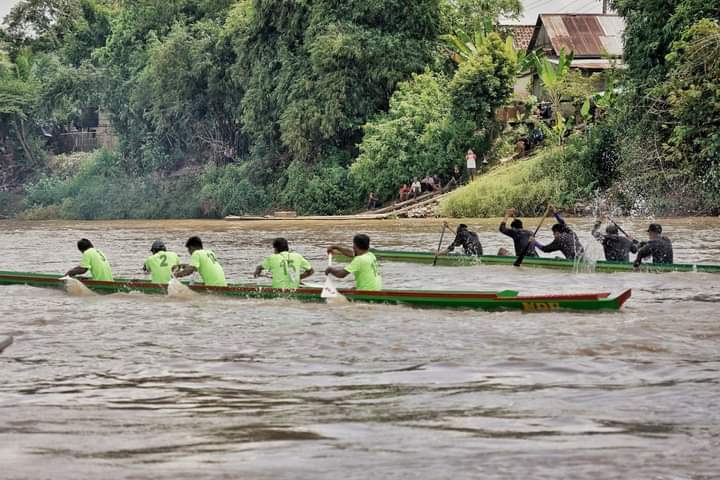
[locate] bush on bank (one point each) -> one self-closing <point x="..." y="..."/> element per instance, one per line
<point x="102" y="190"/>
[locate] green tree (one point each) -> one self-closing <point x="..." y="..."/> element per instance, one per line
<point x="692" y="95"/>
<point x="650" y="28"/>
<point x="18" y="101"/>
<point x="471" y="15"/>
<point x="419" y="135"/>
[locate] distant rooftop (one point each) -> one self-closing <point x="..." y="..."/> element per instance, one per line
<point x="521" y="34"/>
<point x="588" y="35"/>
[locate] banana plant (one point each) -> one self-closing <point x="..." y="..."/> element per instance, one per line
<point x="465" y="47"/>
<point x="552" y="76"/>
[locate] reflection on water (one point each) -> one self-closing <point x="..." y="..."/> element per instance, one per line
<point x="139" y="386"/>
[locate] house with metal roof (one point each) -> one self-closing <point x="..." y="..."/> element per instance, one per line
<point x="595" y="39"/>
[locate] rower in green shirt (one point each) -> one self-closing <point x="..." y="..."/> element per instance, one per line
<point x="92" y="261"/>
<point x="161" y="263"/>
<point x="364" y="265"/>
<point x="287" y="268"/>
<point x="202" y="261"/>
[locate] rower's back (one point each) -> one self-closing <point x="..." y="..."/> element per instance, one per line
<point x="617" y="248"/>
<point x="660" y="249"/>
<point x="209" y="268"/>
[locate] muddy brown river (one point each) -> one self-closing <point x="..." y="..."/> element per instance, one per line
<point x="132" y="386"/>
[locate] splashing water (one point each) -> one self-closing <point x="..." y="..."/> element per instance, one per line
<point x="593" y="253"/>
<point x="177" y="289"/>
<point x="76" y="288"/>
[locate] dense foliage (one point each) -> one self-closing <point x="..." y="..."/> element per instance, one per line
<point x="275" y="92"/>
<point x="660" y="145"/>
<point x="243" y="106"/>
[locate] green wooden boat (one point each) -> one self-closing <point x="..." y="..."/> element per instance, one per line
<point x="503" y="300"/>
<point x="540" y="262"/>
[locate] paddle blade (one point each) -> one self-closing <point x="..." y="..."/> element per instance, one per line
<point x="329" y="290"/>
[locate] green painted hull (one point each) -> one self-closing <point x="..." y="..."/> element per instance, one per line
<point x="538" y="262"/>
<point x="504" y="300"/>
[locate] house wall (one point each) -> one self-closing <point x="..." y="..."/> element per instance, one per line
<point x="521" y="89"/>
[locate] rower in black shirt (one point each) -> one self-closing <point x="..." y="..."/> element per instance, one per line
<point x="519" y="235"/>
<point x="465" y="238"/>
<point x="617" y="248"/>
<point x="658" y="247"/>
<point x="566" y="241"/>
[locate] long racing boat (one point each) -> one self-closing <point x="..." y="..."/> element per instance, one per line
<point x="540" y="262"/>
<point x="490" y="300"/>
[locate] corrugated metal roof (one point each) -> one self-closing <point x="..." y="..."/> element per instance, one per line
<point x="588" y="35"/>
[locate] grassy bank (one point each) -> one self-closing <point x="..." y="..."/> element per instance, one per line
<point x="552" y="175"/>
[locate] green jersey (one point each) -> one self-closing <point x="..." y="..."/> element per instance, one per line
<point x="94" y="260"/>
<point x="366" y="271"/>
<point x="286" y="268"/>
<point x="210" y="270"/>
<point x="160" y="266"/>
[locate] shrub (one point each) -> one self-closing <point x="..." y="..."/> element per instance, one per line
<point x="229" y="191"/>
<point x="322" y="189"/>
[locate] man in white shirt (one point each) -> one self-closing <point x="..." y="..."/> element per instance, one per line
<point x="415" y="188"/>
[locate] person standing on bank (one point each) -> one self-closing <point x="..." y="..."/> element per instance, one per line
<point x="471" y="161"/>
<point x="364" y="266"/>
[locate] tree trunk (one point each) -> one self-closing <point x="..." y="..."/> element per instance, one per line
<point x="22" y="138"/>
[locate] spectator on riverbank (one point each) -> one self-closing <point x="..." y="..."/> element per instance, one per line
<point x="427" y="184"/>
<point x="455" y="179"/>
<point x="471" y="162"/>
<point x="404" y="192"/>
<point x="437" y="185"/>
<point x="415" y="188"/>
<point x="373" y="201"/>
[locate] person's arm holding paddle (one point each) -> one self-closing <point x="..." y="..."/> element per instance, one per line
<point x="339" y="272"/>
<point x="74" y="272"/>
<point x="339" y="249"/>
<point x="183" y="270"/>
<point x="509" y="213"/>
<point x="456" y="242"/>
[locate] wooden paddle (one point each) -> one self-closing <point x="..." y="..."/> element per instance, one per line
<point x="520" y="258"/>
<point x="442" y="234"/>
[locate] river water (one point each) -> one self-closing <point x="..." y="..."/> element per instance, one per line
<point x="148" y="387"/>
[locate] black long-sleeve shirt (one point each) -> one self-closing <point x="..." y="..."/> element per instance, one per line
<point x="617" y="248"/>
<point x="520" y="239"/>
<point x="568" y="242"/>
<point x="468" y="240"/>
<point x="660" y="250"/>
